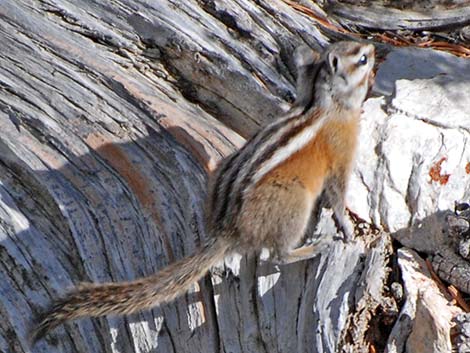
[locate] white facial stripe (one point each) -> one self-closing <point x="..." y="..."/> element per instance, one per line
<point x="295" y="144"/>
<point x="357" y="76"/>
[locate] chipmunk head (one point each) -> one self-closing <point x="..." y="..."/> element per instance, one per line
<point x="347" y="74"/>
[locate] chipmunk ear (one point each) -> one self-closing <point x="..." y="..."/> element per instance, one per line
<point x="307" y="63"/>
<point x="333" y="62"/>
<point x="305" y="56"/>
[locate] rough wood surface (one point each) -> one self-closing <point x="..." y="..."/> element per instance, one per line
<point x="425" y="320"/>
<point x="111" y="115"/>
<point x="381" y="17"/>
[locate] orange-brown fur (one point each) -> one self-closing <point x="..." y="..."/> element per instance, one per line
<point x="332" y="149"/>
<point x="296" y="185"/>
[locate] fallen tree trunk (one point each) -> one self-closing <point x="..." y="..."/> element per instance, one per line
<point x="111" y="116"/>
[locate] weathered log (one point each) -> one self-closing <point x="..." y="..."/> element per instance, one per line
<point x="111" y="115"/>
<point x="377" y="16"/>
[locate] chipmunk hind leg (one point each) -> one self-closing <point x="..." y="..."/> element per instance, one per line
<point x="276" y="217"/>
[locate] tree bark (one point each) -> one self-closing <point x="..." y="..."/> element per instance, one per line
<point x="111" y="116"/>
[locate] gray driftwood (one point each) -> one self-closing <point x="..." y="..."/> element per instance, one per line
<point x="378" y="16"/>
<point x="111" y="116"/>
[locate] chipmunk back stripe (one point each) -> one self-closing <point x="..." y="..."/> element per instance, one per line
<point x="295" y="130"/>
<point x="234" y="170"/>
<point x="295" y="137"/>
<point x="295" y="141"/>
<point x="261" y="146"/>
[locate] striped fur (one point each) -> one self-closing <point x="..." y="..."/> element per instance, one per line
<point x="281" y="139"/>
<point x="129" y="297"/>
<point x="294" y="142"/>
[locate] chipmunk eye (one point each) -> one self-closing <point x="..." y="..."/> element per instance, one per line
<point x="363" y="60"/>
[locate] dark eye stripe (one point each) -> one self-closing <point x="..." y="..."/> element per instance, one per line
<point x="362" y="60"/>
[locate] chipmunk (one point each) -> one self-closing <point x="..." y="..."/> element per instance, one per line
<point x="261" y="196"/>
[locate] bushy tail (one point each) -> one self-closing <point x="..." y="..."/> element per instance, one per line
<point x="129" y="297"/>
